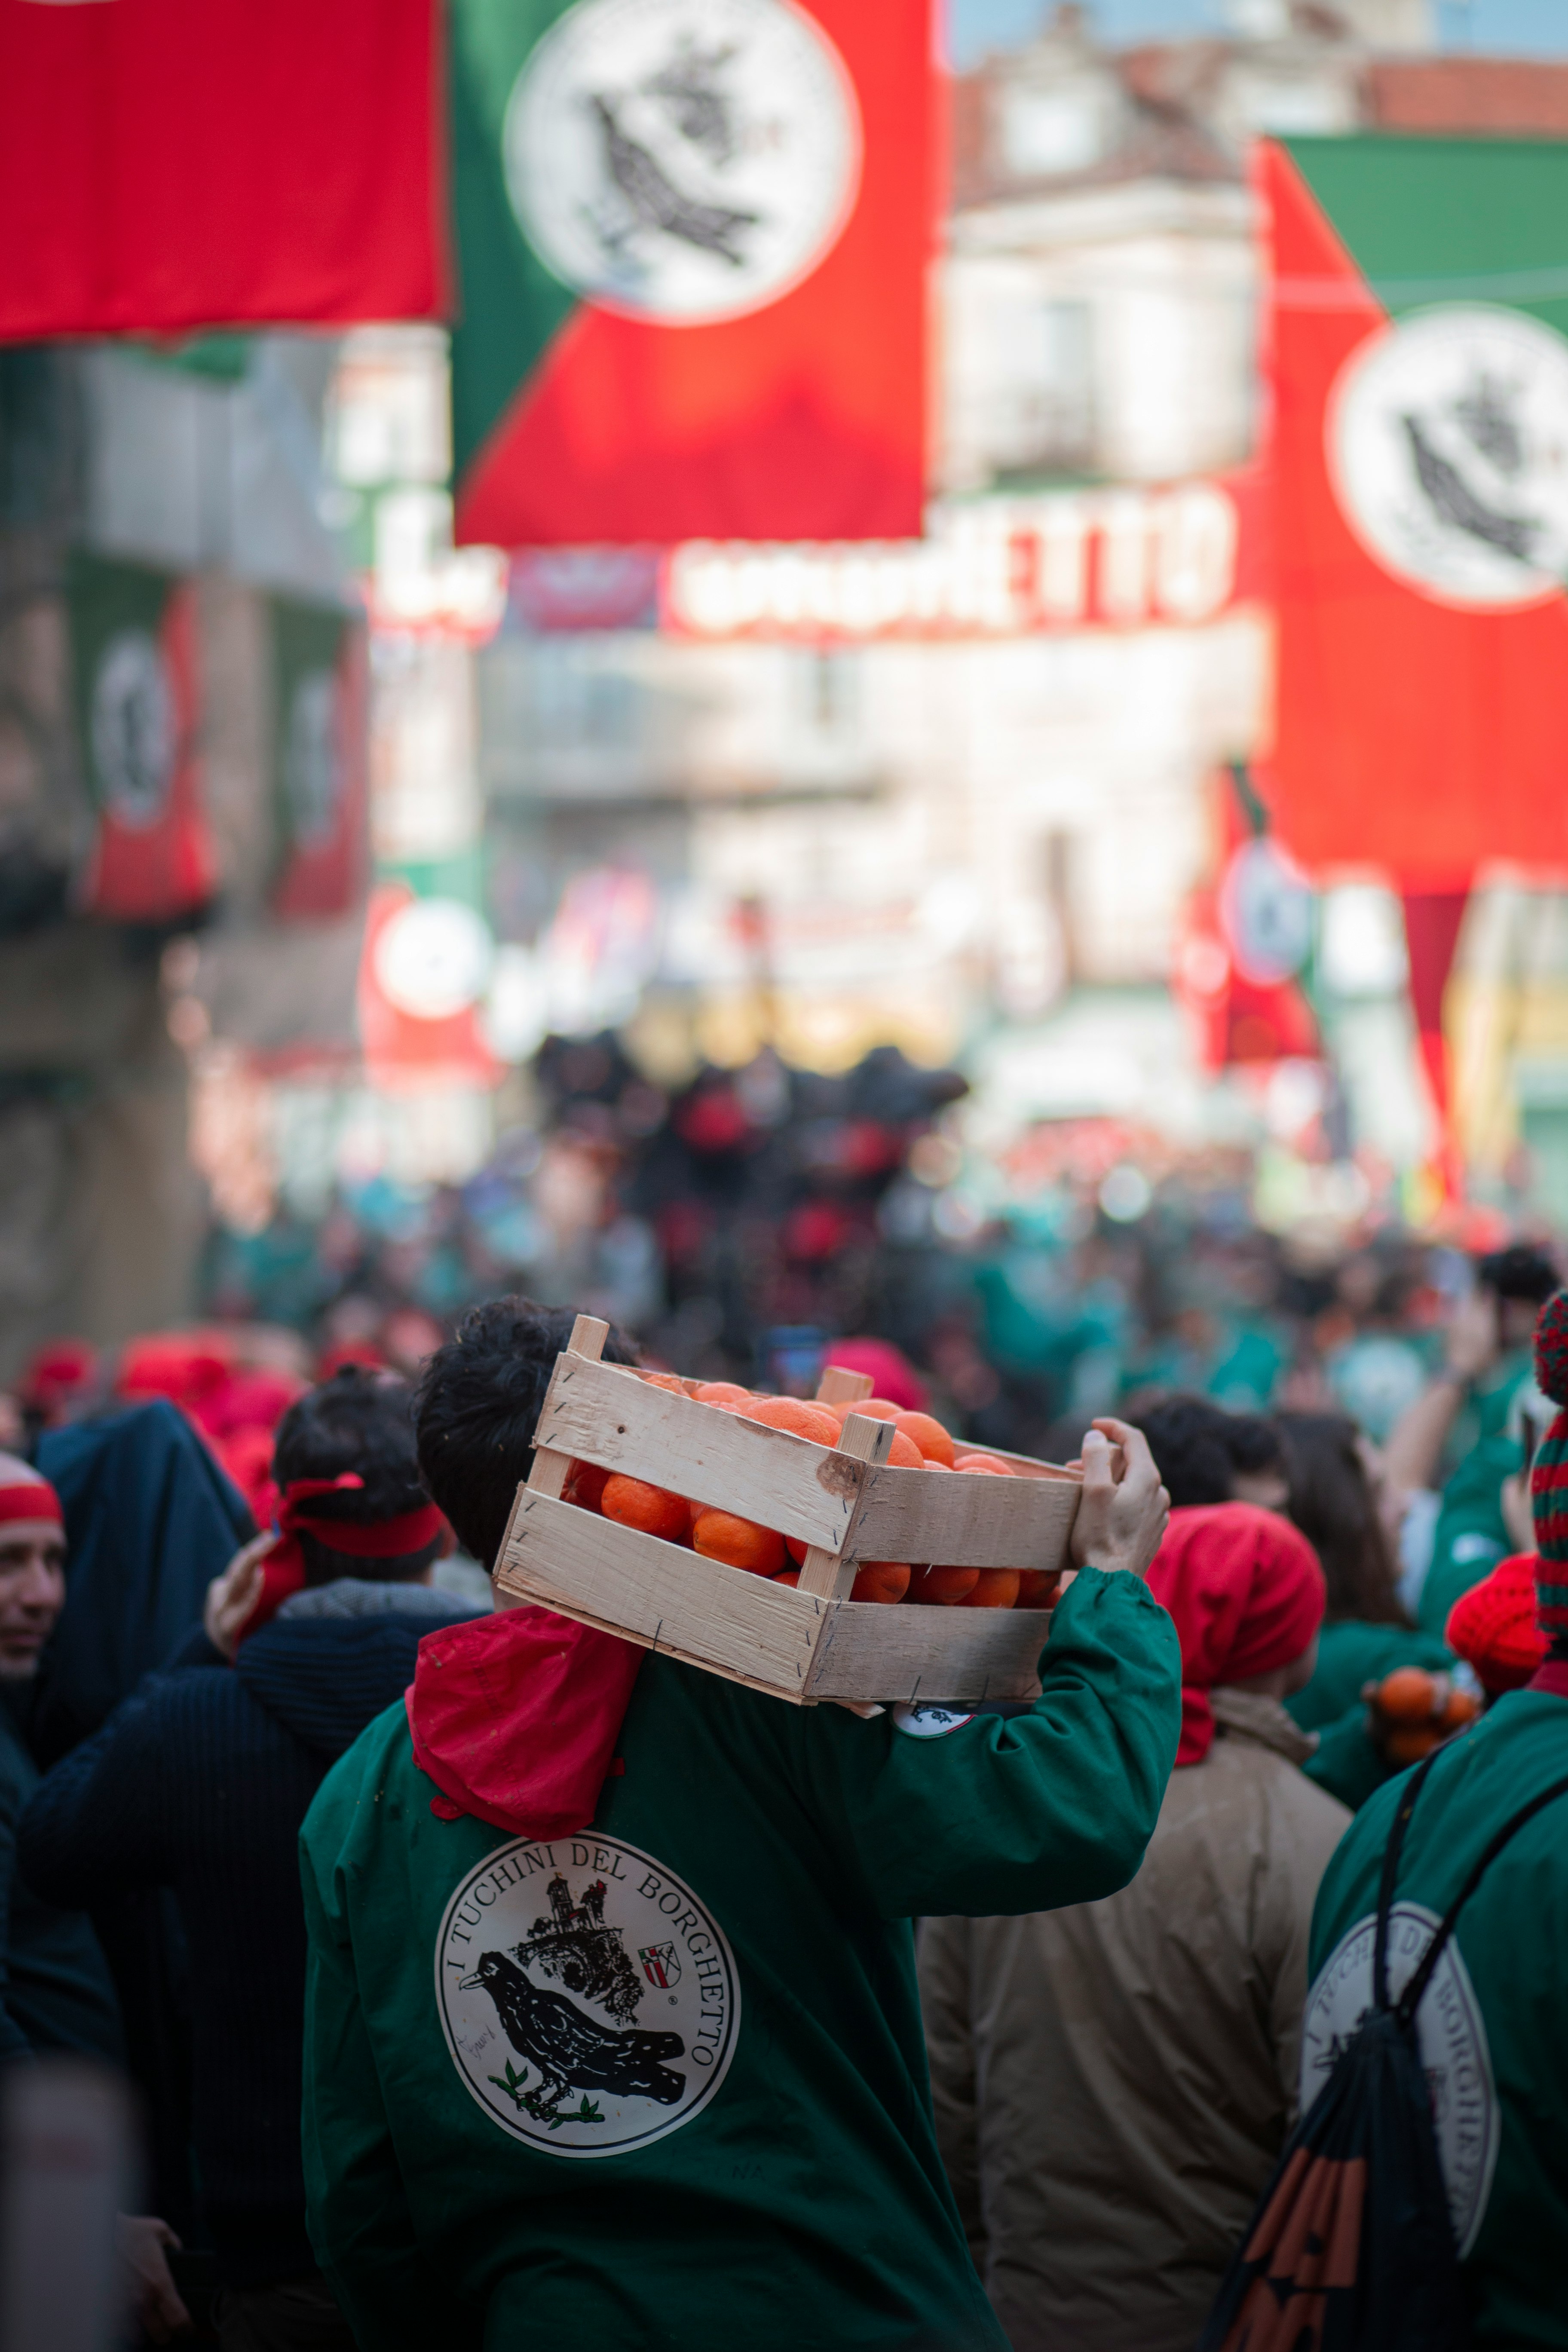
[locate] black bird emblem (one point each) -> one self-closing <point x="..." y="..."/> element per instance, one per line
<point x="658" y="202"/>
<point x="1456" y="503"/>
<point x="572" y="2050"/>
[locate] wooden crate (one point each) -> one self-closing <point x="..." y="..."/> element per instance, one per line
<point x="806" y="1642"/>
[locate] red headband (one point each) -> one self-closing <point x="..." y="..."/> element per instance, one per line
<point x="31" y="1498"/>
<point x="391" y="1539"/>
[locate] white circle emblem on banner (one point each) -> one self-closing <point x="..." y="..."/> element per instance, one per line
<point x="1452" y="2039"/>
<point x="589" y="2000"/>
<point x="133" y="730"/>
<point x="682" y="159"/>
<point x="1448" y="447"/>
<point x="433" y="960"/>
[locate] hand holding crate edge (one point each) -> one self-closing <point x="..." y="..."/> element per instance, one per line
<point x="702" y="1488"/>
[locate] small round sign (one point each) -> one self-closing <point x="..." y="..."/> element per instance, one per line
<point x="682" y="159"/>
<point x="433" y="960"/>
<point x="589" y="2000"/>
<point x="1448" y="447"/>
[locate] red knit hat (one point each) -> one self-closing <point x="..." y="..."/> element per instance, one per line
<point x="26" y="1494"/>
<point x="1492" y="1626"/>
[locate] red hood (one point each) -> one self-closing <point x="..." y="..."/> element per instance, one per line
<point x="516" y="1717"/>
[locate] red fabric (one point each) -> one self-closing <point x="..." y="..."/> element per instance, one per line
<point x="57" y="1374"/>
<point x="804" y="419"/>
<point x="516" y="1717"/>
<point x="1246" y="1593"/>
<point x="30" y="1498"/>
<point x="1493" y="1626"/>
<point x="325" y="876"/>
<point x="283" y="1567"/>
<point x="167" y="165"/>
<point x="1412" y="735"/>
<point x="1551" y="1677"/>
<point x="187" y="1371"/>
<point x="896" y="1377"/>
<point x="142" y="873"/>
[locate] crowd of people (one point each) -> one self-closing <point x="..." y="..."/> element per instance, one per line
<point x="922" y="2028"/>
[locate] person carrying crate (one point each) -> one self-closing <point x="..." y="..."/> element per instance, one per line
<point x="612" y="2033"/>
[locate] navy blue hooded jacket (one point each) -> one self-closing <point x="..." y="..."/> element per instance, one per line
<point x="199" y="1783"/>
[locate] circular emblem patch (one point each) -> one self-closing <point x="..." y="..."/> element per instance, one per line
<point x="590" y="2001"/>
<point x="132" y="727"/>
<point x="312" y="765"/>
<point x="1448" y="445"/>
<point x="682" y="159"/>
<point x="1450" y="2035"/>
<point x="929" y="1722"/>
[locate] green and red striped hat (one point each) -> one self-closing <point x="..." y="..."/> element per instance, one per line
<point x="1548" y="1476"/>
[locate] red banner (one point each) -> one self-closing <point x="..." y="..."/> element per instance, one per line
<point x="1423" y="686"/>
<point x="172" y="165"/>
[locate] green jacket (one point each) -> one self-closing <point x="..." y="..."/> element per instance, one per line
<point x="1491" y="2026"/>
<point x="1351" y="1652"/>
<point x="717" y="2004"/>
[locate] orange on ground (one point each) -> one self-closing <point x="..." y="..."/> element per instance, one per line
<point x="992" y="1463"/>
<point x="935" y="1442"/>
<point x="1409" y="1695"/>
<point x="585" y="1483"/>
<point x="654" y="1509"/>
<point x="739" y="1543"/>
<point x="997" y="1587"/>
<point x="793" y="1413"/>
<point x="722" y="1392"/>
<point x="880" y="1580"/>
<point x="1037" y="1586"/>
<point x="943" y="1586"/>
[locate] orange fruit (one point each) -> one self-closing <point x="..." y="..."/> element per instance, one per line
<point x="1409" y="1695"/>
<point x="790" y="1576"/>
<point x="1409" y="1747"/>
<point x="933" y="1464"/>
<point x="1463" y="1708"/>
<point x="885" y="1580"/>
<point x="739" y="1543"/>
<point x="935" y="1442"/>
<point x="1037" y="1586"/>
<point x="996" y="1588"/>
<point x="793" y="1413"/>
<point x="904" y="1453"/>
<point x="724" y="1392"/>
<point x="991" y="1463"/>
<point x="635" y="1504"/>
<point x="585" y="1483"/>
<point x="671" y="1381"/>
<point x="943" y="1586"/>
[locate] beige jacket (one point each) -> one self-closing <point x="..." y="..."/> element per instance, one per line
<point x="1113" y="2082"/>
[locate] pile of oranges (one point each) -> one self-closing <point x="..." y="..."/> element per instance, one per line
<point x="1415" y="1711"/>
<point x="919" y="1442"/>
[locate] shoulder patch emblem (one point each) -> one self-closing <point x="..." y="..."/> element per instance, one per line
<point x="929" y="1722"/>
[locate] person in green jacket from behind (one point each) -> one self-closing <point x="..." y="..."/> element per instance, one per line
<point x="613" y="2035"/>
<point x="1490" y="2023"/>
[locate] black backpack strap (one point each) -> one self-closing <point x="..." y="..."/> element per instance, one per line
<point x="1411" y="1998"/>
<point x="1391" y="1855"/>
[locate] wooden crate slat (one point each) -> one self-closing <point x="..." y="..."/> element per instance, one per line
<point x="607" y="1415"/>
<point x="961" y="1520"/>
<point x="828" y="1575"/>
<point x="659" y="1594"/>
<point x="940" y="1654"/>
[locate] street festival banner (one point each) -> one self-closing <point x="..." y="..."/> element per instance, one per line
<point x="170" y="164"/>
<point x="693" y="238"/>
<point x="134" y="663"/>
<point x="318" y="747"/>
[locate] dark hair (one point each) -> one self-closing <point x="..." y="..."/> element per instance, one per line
<point x="363" y="1422"/>
<point x="1198" y="1447"/>
<point x="1519" y="1272"/>
<point x="476" y="1406"/>
<point x="1333" y="1503"/>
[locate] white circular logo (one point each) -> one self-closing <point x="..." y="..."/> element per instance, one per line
<point x="1451" y="2037"/>
<point x="682" y="159"/>
<point x="924" y="1721"/>
<point x="134" y="732"/>
<point x="434" y="958"/>
<point x="312" y="762"/>
<point x="589" y="2000"/>
<point x="1447" y="446"/>
<point x="1265" y="912"/>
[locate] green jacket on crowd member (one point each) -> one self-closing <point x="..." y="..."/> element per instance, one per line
<point x="743" y="2059"/>
<point x="1491" y="2022"/>
<point x="1471" y="1534"/>
<point x="1346" y="1761"/>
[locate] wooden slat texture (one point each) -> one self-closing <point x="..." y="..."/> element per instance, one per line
<point x="963" y="1520"/>
<point x="659" y="1594"/>
<point x="603" y="1414"/>
<point x="825" y="1574"/>
<point x="908" y="1654"/>
<point x="547" y="1474"/>
<point x="839" y="1385"/>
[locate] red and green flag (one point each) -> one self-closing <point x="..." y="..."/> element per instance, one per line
<point x="318" y="759"/>
<point x="1417" y="352"/>
<point x="134" y="665"/>
<point x="693" y="238"/>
